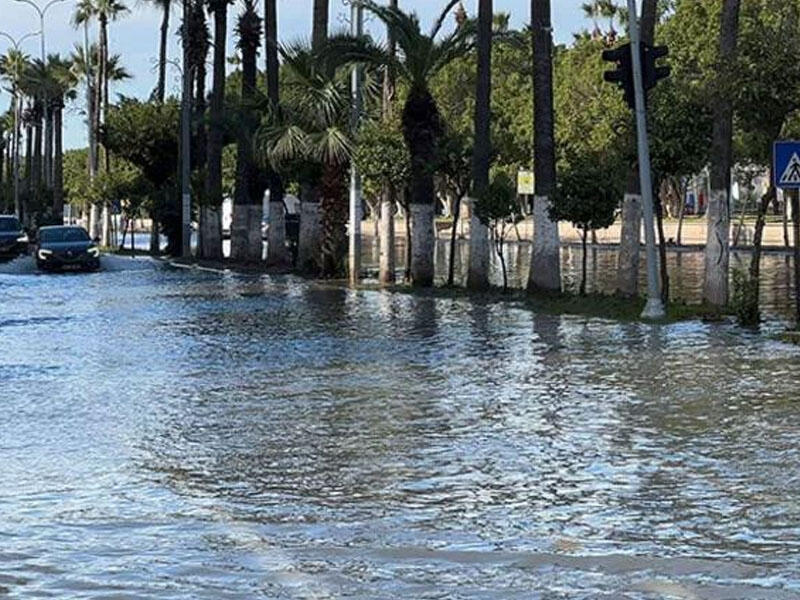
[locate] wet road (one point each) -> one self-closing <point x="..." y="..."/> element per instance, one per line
<point x="174" y="434"/>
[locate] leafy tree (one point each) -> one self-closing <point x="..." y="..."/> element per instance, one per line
<point x="498" y="209"/>
<point x="587" y="196"/>
<point x="146" y="135"/>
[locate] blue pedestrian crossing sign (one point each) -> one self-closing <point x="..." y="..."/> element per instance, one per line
<point x="786" y="165"/>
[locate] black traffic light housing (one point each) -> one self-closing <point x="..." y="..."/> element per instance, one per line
<point x="651" y="73"/>
<point x="622" y="76"/>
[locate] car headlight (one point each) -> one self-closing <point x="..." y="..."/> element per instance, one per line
<point x="94" y="251"/>
<point x="23" y="239"/>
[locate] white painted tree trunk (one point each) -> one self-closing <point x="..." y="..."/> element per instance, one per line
<point x="717" y="254"/>
<point x="629" y="246"/>
<point x="94" y="221"/>
<point x="423" y="241"/>
<point x="386" y="261"/>
<point x="105" y="239"/>
<point x="308" y="245"/>
<point x="545" y="269"/>
<point x="211" y="233"/>
<point x="478" y="274"/>
<point x="276" y="238"/>
<point x="246" y="244"/>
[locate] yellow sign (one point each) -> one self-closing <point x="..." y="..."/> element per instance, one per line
<point x="525" y="183"/>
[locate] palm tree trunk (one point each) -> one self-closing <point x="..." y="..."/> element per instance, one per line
<point x="276" y="242"/>
<point x="478" y="275"/>
<point x="545" y="268"/>
<point x="47" y="165"/>
<point x="162" y="53"/>
<point x="717" y="253"/>
<point x="36" y="162"/>
<point x="211" y="220"/>
<point x="248" y="208"/>
<point x="319" y="32"/>
<point x="58" y="164"/>
<point x="421" y="129"/>
<point x="387" y="267"/>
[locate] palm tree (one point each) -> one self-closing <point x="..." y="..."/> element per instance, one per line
<point x="32" y="85"/>
<point x="104" y="12"/>
<point x="12" y="69"/>
<point x="421" y="57"/>
<point x="87" y="70"/>
<point x="276" y="242"/>
<point x="210" y="216"/>
<point x="717" y="253"/>
<point x="166" y="7"/>
<point x="309" y="134"/>
<point x="248" y="211"/>
<point x="478" y="275"/>
<point x="545" y="268"/>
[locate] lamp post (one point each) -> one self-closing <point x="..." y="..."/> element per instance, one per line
<point x="186" y="137"/>
<point x="42" y="12"/>
<point x="15" y="137"/>
<point x="356" y="29"/>
<point x="655" y="307"/>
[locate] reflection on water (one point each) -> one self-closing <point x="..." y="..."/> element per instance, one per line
<point x="173" y="434"/>
<point x="685" y="270"/>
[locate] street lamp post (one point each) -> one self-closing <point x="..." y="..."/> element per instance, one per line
<point x="42" y="12"/>
<point x="186" y="137"/>
<point x="655" y="306"/>
<point x="357" y="29"/>
<point x="15" y="137"/>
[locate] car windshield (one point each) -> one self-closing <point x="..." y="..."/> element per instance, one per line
<point x="64" y="234"/>
<point x="9" y="224"/>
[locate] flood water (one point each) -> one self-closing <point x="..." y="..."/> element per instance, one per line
<point x="182" y="434"/>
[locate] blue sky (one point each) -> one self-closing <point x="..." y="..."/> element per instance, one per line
<point x="135" y="37"/>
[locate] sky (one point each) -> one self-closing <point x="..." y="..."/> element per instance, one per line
<point x="135" y="37"/>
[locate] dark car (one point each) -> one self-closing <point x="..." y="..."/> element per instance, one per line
<point x="66" y="248"/>
<point x="13" y="240"/>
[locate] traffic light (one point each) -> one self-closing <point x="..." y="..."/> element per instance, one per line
<point x="651" y="73"/>
<point x="622" y="76"/>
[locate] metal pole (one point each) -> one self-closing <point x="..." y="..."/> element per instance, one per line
<point x="654" y="309"/>
<point x="795" y="194"/>
<point x="186" y="156"/>
<point x="42" y="12"/>
<point x="357" y="29"/>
